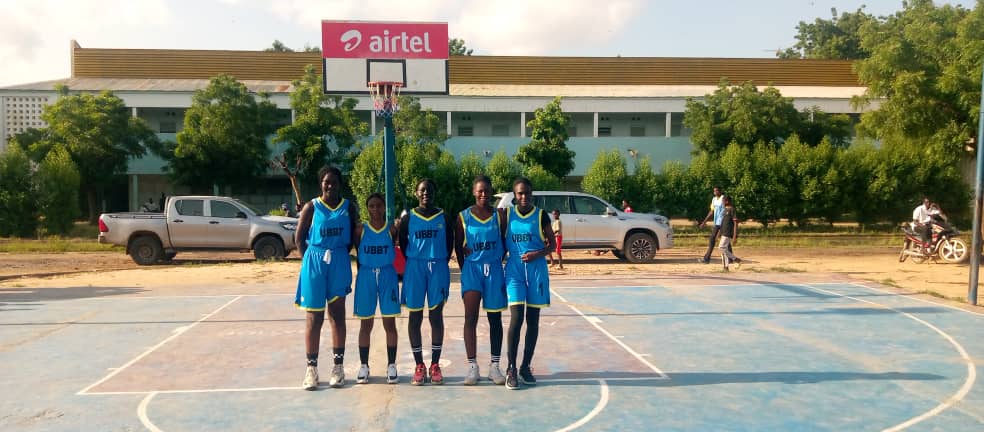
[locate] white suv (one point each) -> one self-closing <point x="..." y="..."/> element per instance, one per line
<point x="591" y="223"/>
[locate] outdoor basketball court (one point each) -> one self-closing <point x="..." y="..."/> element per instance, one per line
<point x="660" y="353"/>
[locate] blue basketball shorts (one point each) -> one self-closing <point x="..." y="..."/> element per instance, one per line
<point x="376" y="285"/>
<point x="488" y="279"/>
<point x="528" y="283"/>
<point x="321" y="283"/>
<point x="425" y="279"/>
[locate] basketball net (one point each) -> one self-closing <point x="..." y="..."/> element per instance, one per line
<point x="384" y="96"/>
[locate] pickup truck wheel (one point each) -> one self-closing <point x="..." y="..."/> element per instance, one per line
<point x="146" y="250"/>
<point x="640" y="247"/>
<point x="268" y="248"/>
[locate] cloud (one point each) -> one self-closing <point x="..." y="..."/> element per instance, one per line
<point x="34" y="36"/>
<point x="505" y="27"/>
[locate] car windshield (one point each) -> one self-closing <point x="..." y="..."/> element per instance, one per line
<point x="248" y="207"/>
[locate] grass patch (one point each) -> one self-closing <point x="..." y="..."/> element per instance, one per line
<point x="890" y="283"/>
<point x="54" y="245"/>
<point x="806" y="240"/>
<point x="781" y="269"/>
<point x="942" y="296"/>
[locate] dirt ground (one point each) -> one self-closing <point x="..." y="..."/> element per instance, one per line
<point x="879" y="265"/>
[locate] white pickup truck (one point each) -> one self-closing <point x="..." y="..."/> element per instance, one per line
<point x="198" y="223"/>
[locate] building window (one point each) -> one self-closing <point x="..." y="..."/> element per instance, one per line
<point x="466" y="131"/>
<point x="572" y="131"/>
<point x="637" y="131"/>
<point x="168" y="127"/>
<point x="500" y="130"/>
<point x="604" y="131"/>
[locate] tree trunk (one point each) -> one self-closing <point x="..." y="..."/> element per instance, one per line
<point x="93" y="207"/>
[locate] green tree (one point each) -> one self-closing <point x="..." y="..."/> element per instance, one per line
<point x="224" y="140"/>
<point x="740" y="114"/>
<point x="541" y="179"/>
<point x="35" y="141"/>
<point x="57" y="184"/>
<point x="757" y="179"/>
<point x="836" y="38"/>
<point x="503" y="171"/>
<point x="680" y="191"/>
<point x="101" y="135"/>
<point x="548" y="147"/>
<point x="640" y="187"/>
<point x="456" y="47"/>
<point x="815" y="183"/>
<point x="325" y="130"/>
<point x="606" y="178"/>
<point x="18" y="205"/>
<point x="925" y="68"/>
<point x="278" y="46"/>
<point x="744" y="115"/>
<point x="416" y="125"/>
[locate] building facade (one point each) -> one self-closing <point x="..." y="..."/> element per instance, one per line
<point x="634" y="105"/>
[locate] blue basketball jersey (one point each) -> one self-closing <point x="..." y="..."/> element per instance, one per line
<point x="523" y="233"/>
<point x="331" y="228"/>
<point x="482" y="236"/>
<point x="375" y="247"/>
<point x="427" y="236"/>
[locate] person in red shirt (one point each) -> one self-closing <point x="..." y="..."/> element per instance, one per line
<point x="626" y="207"/>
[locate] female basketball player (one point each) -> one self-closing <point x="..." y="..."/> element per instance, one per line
<point x="529" y="239"/>
<point x="376" y="283"/>
<point x="324" y="238"/>
<point x="478" y="247"/>
<point x="426" y="239"/>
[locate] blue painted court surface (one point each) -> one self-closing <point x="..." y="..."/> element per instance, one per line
<point x="656" y="354"/>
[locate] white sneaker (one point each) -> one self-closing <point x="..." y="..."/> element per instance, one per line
<point x="337" y="377"/>
<point x="363" y="376"/>
<point x="473" y="374"/>
<point x="392" y="377"/>
<point x="310" y="378"/>
<point x="495" y="375"/>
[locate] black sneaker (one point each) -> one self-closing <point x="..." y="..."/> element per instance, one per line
<point x="511" y="382"/>
<point x="526" y="376"/>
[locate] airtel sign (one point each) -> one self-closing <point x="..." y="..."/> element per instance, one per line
<point x="384" y="40"/>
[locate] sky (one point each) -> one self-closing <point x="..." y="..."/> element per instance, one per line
<point x="35" y="35"/>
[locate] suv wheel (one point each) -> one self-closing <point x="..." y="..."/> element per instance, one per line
<point x="146" y="250"/>
<point x="268" y="247"/>
<point x="640" y="247"/>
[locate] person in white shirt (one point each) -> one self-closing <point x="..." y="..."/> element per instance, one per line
<point x="922" y="221"/>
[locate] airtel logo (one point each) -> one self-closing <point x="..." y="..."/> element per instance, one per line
<point x="386" y="43"/>
<point x="347" y="38"/>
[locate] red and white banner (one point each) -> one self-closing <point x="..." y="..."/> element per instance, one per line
<point x="384" y="40"/>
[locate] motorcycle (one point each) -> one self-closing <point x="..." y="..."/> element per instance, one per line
<point x="944" y="246"/>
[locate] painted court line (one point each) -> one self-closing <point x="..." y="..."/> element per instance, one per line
<point x="142" y="413"/>
<point x="174" y="335"/>
<point x="957" y="397"/>
<point x="913" y="298"/>
<point x="598" y="408"/>
<point x="610" y="336"/>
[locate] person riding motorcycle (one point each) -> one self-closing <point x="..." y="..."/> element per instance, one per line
<point x="922" y="223"/>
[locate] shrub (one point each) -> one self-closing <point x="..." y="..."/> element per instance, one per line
<point x="541" y="179"/>
<point x="606" y="177"/>
<point x="57" y="182"/>
<point x="18" y="205"/>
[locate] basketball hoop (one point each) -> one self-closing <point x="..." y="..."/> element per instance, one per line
<point x="384" y="96"/>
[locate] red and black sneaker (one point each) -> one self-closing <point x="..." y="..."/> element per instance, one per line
<point x="436" y="377"/>
<point x="512" y="383"/>
<point x="419" y="375"/>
